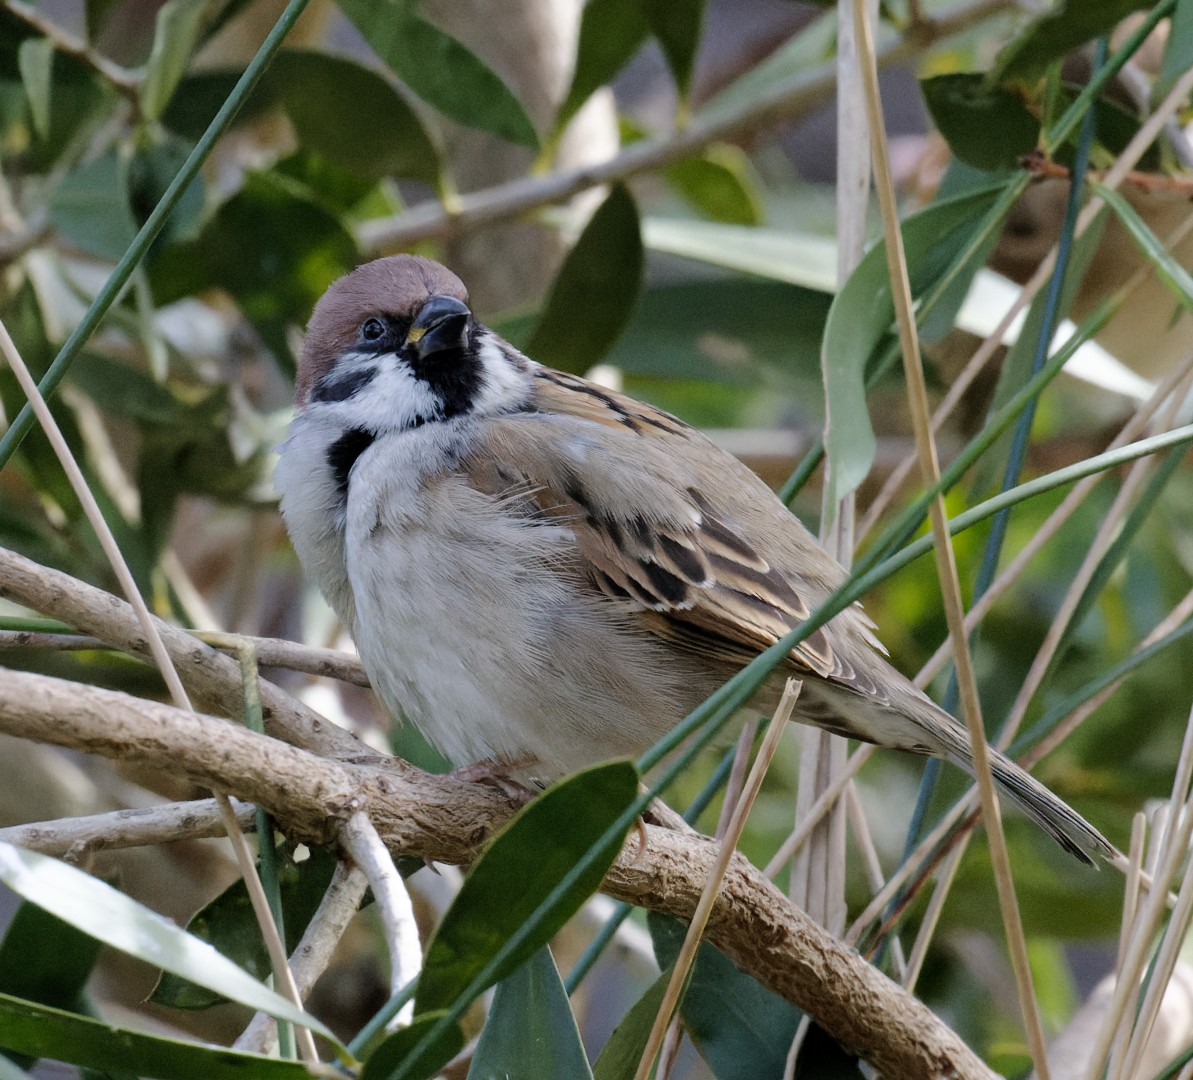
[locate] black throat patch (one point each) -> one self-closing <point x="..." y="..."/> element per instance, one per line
<point x="342" y="455"/>
<point x="455" y="376"/>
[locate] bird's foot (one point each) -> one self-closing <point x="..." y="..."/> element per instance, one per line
<point x="497" y="774"/>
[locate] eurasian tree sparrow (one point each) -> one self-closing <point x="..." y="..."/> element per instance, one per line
<point x="537" y="569"/>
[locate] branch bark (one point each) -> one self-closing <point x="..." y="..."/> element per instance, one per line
<point x="448" y="820"/>
<point x="214" y="679"/>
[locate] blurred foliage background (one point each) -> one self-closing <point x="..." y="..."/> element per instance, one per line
<point x="699" y="272"/>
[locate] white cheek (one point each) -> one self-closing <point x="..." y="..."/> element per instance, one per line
<point x="393" y="398"/>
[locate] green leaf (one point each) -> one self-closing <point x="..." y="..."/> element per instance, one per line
<point x="797" y="258"/>
<point x="90" y="207"/>
<point x="676" y="25"/>
<point x="272" y="247"/>
<point x="103" y="913"/>
<point x="199" y="97"/>
<point x="393" y="1058"/>
<point x="531" y="1032"/>
<point x="720" y="183"/>
<point x="732" y="331"/>
<point x="1178" y="51"/>
<point x="863" y="313"/>
<point x="518" y="871"/>
<point x="986" y="126"/>
<point x="75" y="104"/>
<point x="611" y="31"/>
<point x="42" y="1032"/>
<point x="621" y="1054"/>
<point x="594" y="293"/>
<point x="439" y="69"/>
<point x="174" y="38"/>
<point x="35" y="58"/>
<point x="46" y="960"/>
<point x="229" y="924"/>
<point x="1172" y="273"/>
<point x="318" y="91"/>
<point x="1054" y="35"/>
<point x="740" y="1028"/>
<point x="155" y="164"/>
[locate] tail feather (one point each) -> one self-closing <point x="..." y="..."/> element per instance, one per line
<point x="906" y="719"/>
<point x="1059" y="820"/>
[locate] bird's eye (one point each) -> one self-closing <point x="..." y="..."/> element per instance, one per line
<point x="372" y="329"/>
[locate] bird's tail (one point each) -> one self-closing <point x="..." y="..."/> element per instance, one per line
<point x="1059" y="820"/>
<point x="907" y="720"/>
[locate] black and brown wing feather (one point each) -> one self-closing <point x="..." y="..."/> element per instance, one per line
<point x="663" y="518"/>
<point x="698" y="548"/>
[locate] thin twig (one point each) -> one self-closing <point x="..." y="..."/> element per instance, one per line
<point x="708" y="895"/>
<point x="1040" y="166"/>
<point x="946" y="560"/>
<point x="127" y="83"/>
<point x="360" y="841"/>
<point x="140" y="827"/>
<point x="873" y="868"/>
<point x="314" y="952"/>
<point x="16" y="242"/>
<point x="923" y="939"/>
<point x="1122" y="1035"/>
<point x="271" y="652"/>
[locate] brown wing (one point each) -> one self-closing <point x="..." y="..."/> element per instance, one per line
<point x="665" y="519"/>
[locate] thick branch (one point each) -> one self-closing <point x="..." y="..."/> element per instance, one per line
<point x="213" y="678"/>
<point x="447" y="820"/>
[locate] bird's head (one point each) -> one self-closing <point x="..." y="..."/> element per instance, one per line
<point x="394" y="345"/>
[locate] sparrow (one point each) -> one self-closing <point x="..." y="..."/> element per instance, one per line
<point x="539" y="571"/>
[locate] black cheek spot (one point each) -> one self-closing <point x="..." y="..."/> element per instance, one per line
<point x="342" y="455"/>
<point x="341" y="386"/>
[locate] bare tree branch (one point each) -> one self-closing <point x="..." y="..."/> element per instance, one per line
<point x="212" y="677"/>
<point x="271" y="652"/>
<point x="784" y="101"/>
<point x="314" y="951"/>
<point x="74" y="837"/>
<point x="449" y="820"/>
